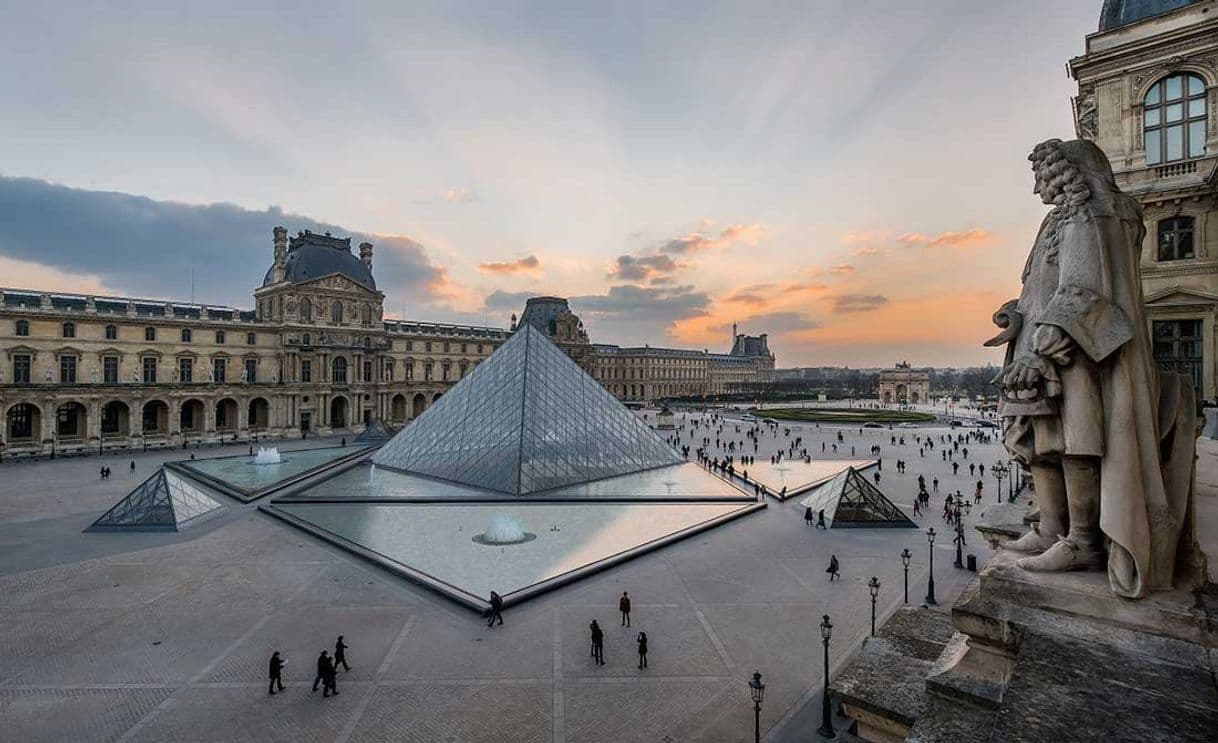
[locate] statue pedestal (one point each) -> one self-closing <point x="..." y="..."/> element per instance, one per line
<point x="1042" y="656"/>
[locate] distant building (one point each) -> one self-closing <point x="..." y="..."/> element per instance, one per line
<point x="648" y="373"/>
<point x="1148" y="97"/>
<point x="81" y="372"/>
<point x="904" y="385"/>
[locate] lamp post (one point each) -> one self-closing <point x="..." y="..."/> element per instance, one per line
<point x="757" y="690"/>
<point x="826" y="711"/>
<point x="999" y="471"/>
<point x="930" y="577"/>
<point x="905" y="558"/>
<point x="959" y="540"/>
<point x="873" y="585"/>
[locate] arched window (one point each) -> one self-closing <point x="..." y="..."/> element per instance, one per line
<point x="1175" y="239"/>
<point x="306" y="311"/>
<point x="1173" y="116"/>
<point x="336" y="312"/>
<point x="339" y="369"/>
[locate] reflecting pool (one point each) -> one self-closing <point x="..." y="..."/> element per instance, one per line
<point x="241" y="473"/>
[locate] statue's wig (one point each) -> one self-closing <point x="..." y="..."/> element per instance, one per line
<point x="1063" y="165"/>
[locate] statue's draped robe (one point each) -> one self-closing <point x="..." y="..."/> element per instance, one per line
<point x="1087" y="283"/>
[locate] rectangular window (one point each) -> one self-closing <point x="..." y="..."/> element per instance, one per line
<point x="251" y="370"/>
<point x="409" y="345"/>
<point x="1152" y="147"/>
<point x="218" y="368"/>
<point x="427" y="346"/>
<point x="21" y="368"/>
<point x="220" y="337"/>
<point x="150" y="369"/>
<point x="1177" y="347"/>
<point x="1175" y="239"/>
<point x="251" y="339"/>
<point x="186" y="370"/>
<point x="69" y="330"/>
<point x="23" y="327"/>
<point x="110" y="369"/>
<point x="367" y="370"/>
<point x="67" y="369"/>
<point x="186" y="335"/>
<point x="306" y="371"/>
<point x="111" y="333"/>
<point x="149" y="334"/>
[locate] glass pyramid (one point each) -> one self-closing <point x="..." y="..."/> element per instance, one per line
<point x="525" y="420"/>
<point x="164" y="501"/>
<point x="373" y="433"/>
<point x="849" y="500"/>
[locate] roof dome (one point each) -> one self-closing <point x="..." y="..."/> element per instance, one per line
<point x="1118" y="13"/>
<point x="312" y="256"/>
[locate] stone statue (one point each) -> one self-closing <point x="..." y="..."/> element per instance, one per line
<point x="135" y="375"/>
<point x="93" y="375"/>
<point x="244" y="376"/>
<point x="1108" y="438"/>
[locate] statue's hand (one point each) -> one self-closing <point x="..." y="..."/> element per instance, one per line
<point x="1052" y="342"/>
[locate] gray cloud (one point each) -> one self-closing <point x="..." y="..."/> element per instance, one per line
<point x="773" y="323"/>
<point x="858" y="302"/>
<point x="149" y="248"/>
<point x="643" y="268"/>
<point x="501" y="301"/>
<point x="634" y="314"/>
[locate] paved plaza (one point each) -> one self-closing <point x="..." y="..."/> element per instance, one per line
<point x="155" y="637"/>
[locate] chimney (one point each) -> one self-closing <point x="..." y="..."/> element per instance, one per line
<point x="365" y="254"/>
<point x="281" y="254"/>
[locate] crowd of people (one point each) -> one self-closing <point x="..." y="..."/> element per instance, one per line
<point x="327" y="669"/>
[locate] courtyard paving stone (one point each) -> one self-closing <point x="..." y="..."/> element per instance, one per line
<point x="443" y="713"/>
<point x="74" y="714"/>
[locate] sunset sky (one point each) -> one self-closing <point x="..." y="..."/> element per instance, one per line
<point x="848" y="176"/>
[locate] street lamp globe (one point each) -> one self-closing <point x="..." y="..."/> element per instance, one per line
<point x="873" y="585"/>
<point x="757" y="688"/>
<point x="906" y="557"/>
<point x="826" y="628"/>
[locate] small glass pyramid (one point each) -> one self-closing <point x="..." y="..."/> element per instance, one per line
<point x="527" y="419"/>
<point x="373" y="433"/>
<point x="849" y="500"/>
<point x="165" y="501"/>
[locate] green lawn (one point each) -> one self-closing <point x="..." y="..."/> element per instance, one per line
<point x="844" y="415"/>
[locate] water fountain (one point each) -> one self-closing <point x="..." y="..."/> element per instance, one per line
<point x="502" y="530"/>
<point x="267" y="455"/>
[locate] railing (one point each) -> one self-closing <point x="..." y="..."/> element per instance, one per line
<point x="1176" y="169"/>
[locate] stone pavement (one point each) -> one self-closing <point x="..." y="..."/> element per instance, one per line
<point x="137" y="637"/>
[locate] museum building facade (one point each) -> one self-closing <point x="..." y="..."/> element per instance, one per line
<point x="1148" y="97"/>
<point x="315" y="355"/>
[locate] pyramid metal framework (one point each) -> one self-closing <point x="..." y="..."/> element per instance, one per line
<point x="373" y="433"/>
<point x="849" y="500"/>
<point x="525" y="420"/>
<point x="166" y="501"/>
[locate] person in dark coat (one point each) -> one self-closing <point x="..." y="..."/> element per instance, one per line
<point x="623" y="605"/>
<point x="329" y="684"/>
<point x="820" y="519"/>
<point x="496" y="609"/>
<point x="276" y="671"/>
<point x="833" y="568"/>
<point x="340" y="654"/>
<point x="598" y="644"/>
<point x="808" y="515"/>
<point x="323" y="664"/>
<point x="642" y="649"/>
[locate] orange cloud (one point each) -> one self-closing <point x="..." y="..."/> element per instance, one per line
<point x="459" y="195"/>
<point x="965" y="239"/>
<point x="694" y="242"/>
<point x="528" y="264"/>
<point x="842" y="269"/>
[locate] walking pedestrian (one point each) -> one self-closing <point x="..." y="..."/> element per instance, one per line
<point x="623" y="605"/>
<point x="833" y="568"/>
<point x="133" y="465"/>
<point x="329" y="684"/>
<point x="820" y="519"/>
<point x="276" y="671"/>
<point x="323" y="664"/>
<point x="808" y="515"/>
<point x="598" y="644"/>
<point x="340" y="654"/>
<point x="496" y="609"/>
<point x="642" y="640"/>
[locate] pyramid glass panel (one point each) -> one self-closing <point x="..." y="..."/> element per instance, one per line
<point x="850" y="500"/>
<point x="528" y="419"/>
